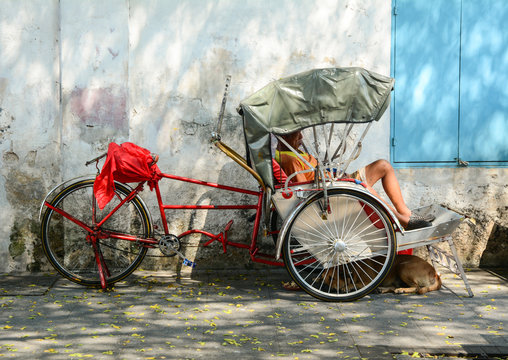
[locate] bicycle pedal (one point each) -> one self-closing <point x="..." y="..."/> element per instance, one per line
<point x="189" y="263"/>
<point x="185" y="261"/>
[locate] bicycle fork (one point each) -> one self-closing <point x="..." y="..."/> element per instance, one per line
<point x="91" y="238"/>
<point x="102" y="267"/>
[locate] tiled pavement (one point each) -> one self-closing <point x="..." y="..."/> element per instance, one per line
<point x="245" y="314"/>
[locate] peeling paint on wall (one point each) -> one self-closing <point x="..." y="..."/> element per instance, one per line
<point x="24" y="192"/>
<point x="6" y="120"/>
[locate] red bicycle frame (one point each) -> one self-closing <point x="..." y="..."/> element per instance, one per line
<point x="96" y="233"/>
<point x="254" y="253"/>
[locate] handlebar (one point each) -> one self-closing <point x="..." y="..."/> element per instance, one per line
<point x="96" y="159"/>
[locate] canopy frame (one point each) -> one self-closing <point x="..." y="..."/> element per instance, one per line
<point x="315" y="97"/>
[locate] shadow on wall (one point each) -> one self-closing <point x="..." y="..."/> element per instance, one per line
<point x="214" y="221"/>
<point x="29" y="156"/>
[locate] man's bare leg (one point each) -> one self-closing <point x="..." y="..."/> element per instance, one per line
<point x="383" y="170"/>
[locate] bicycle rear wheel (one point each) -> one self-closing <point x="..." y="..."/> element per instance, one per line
<point x="341" y="254"/>
<point x="65" y="243"/>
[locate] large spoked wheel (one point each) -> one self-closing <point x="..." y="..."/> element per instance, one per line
<point x="341" y="254"/>
<point x="70" y="251"/>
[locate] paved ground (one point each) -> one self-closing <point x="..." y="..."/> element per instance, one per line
<point x="245" y="314"/>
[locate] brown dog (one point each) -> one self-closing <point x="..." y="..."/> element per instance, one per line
<point x="409" y="274"/>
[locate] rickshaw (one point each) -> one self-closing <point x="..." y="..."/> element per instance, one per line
<point x="336" y="239"/>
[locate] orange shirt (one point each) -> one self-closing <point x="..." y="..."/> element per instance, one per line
<point x="290" y="163"/>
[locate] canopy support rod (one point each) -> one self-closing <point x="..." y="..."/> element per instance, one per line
<point x="342" y="142"/>
<point x="341" y="149"/>
<point x="358" y="147"/>
<point x="316" y="144"/>
<point x="294" y="151"/>
<point x="328" y="142"/>
<point x="216" y="135"/>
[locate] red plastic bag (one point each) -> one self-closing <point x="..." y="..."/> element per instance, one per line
<point x="125" y="163"/>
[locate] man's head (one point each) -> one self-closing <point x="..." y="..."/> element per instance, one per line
<point x="294" y="139"/>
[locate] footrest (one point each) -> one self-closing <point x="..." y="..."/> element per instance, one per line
<point x="445" y="223"/>
<point x="228" y="226"/>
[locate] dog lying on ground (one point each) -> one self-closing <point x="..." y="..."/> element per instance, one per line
<point x="409" y="274"/>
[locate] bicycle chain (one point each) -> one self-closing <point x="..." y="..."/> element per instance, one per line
<point x="127" y="251"/>
<point x="132" y="252"/>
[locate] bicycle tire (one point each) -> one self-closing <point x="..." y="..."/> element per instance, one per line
<point x="65" y="243"/>
<point x="345" y="256"/>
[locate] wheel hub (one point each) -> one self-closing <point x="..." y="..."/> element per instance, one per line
<point x="339" y="246"/>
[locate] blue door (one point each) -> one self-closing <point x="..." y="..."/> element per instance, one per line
<point x="484" y="82"/>
<point x="426" y="49"/>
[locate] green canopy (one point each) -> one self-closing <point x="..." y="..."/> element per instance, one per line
<point x="342" y="95"/>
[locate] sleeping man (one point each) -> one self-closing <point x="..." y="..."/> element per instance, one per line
<point x="369" y="175"/>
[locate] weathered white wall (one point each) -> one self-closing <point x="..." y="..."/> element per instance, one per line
<point x="75" y="76"/>
<point x="30" y="123"/>
<point x="479" y="193"/>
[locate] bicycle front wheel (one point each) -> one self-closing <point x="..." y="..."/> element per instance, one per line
<point x="340" y="249"/>
<point x="65" y="243"/>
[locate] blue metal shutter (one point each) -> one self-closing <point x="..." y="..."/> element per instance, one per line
<point x="426" y="49"/>
<point x="484" y="81"/>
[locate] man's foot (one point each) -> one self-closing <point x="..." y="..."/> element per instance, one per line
<point x="417" y="222"/>
<point x="429" y="217"/>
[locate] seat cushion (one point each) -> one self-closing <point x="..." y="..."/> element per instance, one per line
<point x="278" y="173"/>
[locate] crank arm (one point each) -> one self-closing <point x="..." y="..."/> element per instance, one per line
<point x="186" y="261"/>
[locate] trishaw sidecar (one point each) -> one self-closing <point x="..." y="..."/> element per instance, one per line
<point x="338" y="241"/>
